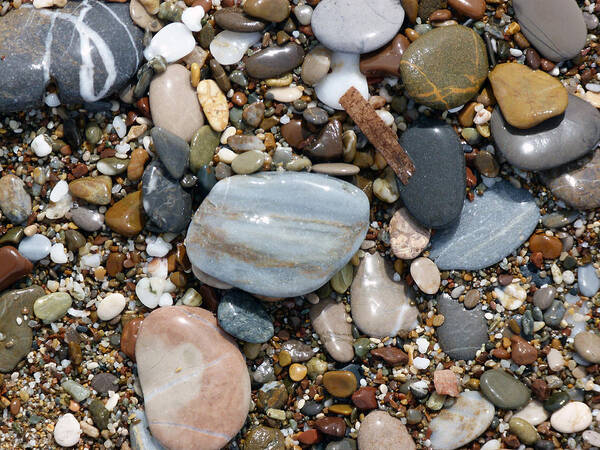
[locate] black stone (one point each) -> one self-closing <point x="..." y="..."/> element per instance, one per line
<point x="172" y="151"/>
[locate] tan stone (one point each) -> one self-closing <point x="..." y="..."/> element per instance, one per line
<point x="328" y="319"/>
<point x="214" y="104"/>
<point x="135" y="169"/>
<point x="379" y="430"/>
<point x="426" y="275"/>
<point x="96" y="190"/>
<point x="408" y="238"/>
<point x="125" y="216"/>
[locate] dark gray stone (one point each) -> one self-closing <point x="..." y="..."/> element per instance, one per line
<point x="554" y="314"/>
<point x="104" y="382"/>
<point x="242" y="316"/>
<point x="274" y="61"/>
<point x="490" y="228"/>
<point x="168" y="206"/>
<point x="435" y="193"/>
<point x="554" y="142"/>
<point x="172" y="151"/>
<point x="463" y="331"/>
<point x="43" y="44"/>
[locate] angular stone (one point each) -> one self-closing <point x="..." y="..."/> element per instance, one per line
<point x="407" y="238"/>
<point x="391" y="355"/>
<point x="249" y="224"/>
<point x="328" y="145"/>
<point x="185" y="360"/>
<point x="15" y="202"/>
<point x="489" y="228"/>
<point x="386" y="61"/>
<point x="328" y="319"/>
<point x="172" y="151"/>
<point x="14" y="266"/>
<point x="95" y="190"/>
<point x="380" y="430"/>
<point x="381" y="306"/>
<point x="274" y="61"/>
<point x="125" y="217"/>
<point x="504" y="390"/>
<point x="244" y="317"/>
<point x="90" y="50"/>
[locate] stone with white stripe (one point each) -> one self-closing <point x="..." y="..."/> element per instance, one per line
<point x="89" y="48"/>
<point x="192" y="375"/>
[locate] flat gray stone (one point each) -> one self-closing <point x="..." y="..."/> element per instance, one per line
<point x="172" y="151"/>
<point x="242" y="316"/>
<point x="356" y="26"/>
<point x="277" y="234"/>
<point x="554" y="142"/>
<point x="89" y="48"/>
<point x="503" y="389"/>
<point x="489" y="228"/>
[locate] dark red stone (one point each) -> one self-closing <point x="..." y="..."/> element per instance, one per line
<point x="13" y="266"/>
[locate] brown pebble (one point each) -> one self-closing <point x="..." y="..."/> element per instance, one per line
<point x="135" y="169"/>
<point x="540" y="389"/>
<point x="385" y="61"/>
<point x="440" y="15"/>
<point x="523" y="353"/>
<point x="340" y="383"/>
<point x="239" y="98"/>
<point x="505" y="279"/>
<point x="129" y="337"/>
<point x="331" y="426"/>
<point x="475" y="9"/>
<point x="549" y="246"/>
<point x="364" y="398"/>
<point x="521" y="40"/>
<point x="114" y="263"/>
<point x="75" y="353"/>
<point x="391" y="355"/>
<point x="487" y="164"/>
<point x="546" y="65"/>
<point x="15" y="406"/>
<point x="411" y="34"/>
<point x="532" y="58"/>
<point x="472" y="298"/>
<point x="467" y="114"/>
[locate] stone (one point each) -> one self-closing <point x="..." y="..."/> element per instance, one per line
<point x="18" y="336"/>
<point x="549" y="246"/>
<point x="463" y="422"/>
<point x="272" y="395"/>
<point x="526" y="433"/>
<point x="269" y="10"/>
<point x="52" y="307"/>
<point x="407" y="237"/>
<point x="243" y="317"/>
<point x="67" y="430"/>
<point x="112" y="166"/>
<point x="214" y="104"/>
<point x="183" y="360"/>
<point x="75" y="390"/>
<point x="316" y="65"/>
<point x="90" y="50"/>
<point x="380" y="430"/>
<point x="543" y="297"/>
<point x="298" y="351"/>
<point x="228" y="47"/>
<point x="142" y="18"/>
<point x="587" y="345"/>
<point x="391" y="355"/>
<point x="345" y="73"/>
<point x="385" y="62"/>
<point x="527" y="97"/>
<point x="125" y="217"/>
<point x="95" y="190"/>
<point x="556" y="401"/>
<point x="353" y="26"/>
<point x="340" y="383"/>
<point x="139" y="434"/>
<point x="111" y="306"/>
<point x="445" y="382"/>
<point x="381" y="306"/>
<point x="523" y="353"/>
<point x="264" y="438"/>
<point x="87" y="219"/>
<point x="173" y="152"/>
<point x="554" y="142"/>
<point x="259" y="213"/>
<point x="254" y="113"/>
<point x="274" y="61"/>
<point x="12" y="235"/>
<point x="533" y="412"/>
<point x="426" y="275"/>
<point x="489" y="229"/>
<point x="15" y="202"/>
<point x="328" y="145"/>
<point x="472" y="298"/>
<point x="14" y="266"/>
<point x="331" y="426"/>
<point x="587" y="280"/>
<point x="433" y="79"/>
<point x="364" y="398"/>
<point x="203" y="146"/>
<point x="554" y="314"/>
<point x="503" y="390"/>
<point x="436" y="191"/>
<point x="328" y="319"/>
<point x="35" y="247"/>
<point x="234" y="19"/>
<point x="100" y="415"/>
<point x="172" y="91"/>
<point x="544" y="23"/>
<point x="475" y="9"/>
<point x="336" y="169"/>
<point x="104" y="382"/>
<point x="172" y="42"/>
<point x="129" y="336"/>
<point x="167" y="205"/>
<point x="572" y="418"/>
<point x="294" y="133"/>
<point x="248" y="162"/>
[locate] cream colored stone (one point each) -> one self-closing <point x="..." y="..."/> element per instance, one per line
<point x="426" y="275"/>
<point x="329" y="319"/>
<point x="379" y="430"/>
<point x="408" y="238"/>
<point x="571" y="418"/>
<point x="214" y="104"/>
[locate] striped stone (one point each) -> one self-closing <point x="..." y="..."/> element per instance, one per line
<point x="277" y="234"/>
<point x="192" y="376"/>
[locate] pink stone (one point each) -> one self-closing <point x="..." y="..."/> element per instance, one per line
<point x="379" y="430"/>
<point x="194" y="379"/>
<point x="445" y="382"/>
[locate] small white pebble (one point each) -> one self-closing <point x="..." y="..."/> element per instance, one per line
<point x="67" y="430"/>
<point x="421" y="363"/>
<point x="59" y="191"/>
<point x="156" y="246"/>
<point x="192" y="18"/>
<point x="57" y="254"/>
<point x="119" y="126"/>
<point x="41" y="145"/>
<point x="111" y="306"/>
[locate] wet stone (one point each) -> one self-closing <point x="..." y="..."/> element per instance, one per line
<point x="385" y="62"/>
<point x="315" y="115"/>
<point x="14" y="266"/>
<point x="244" y="317"/>
<point x="587" y="280"/>
<point x="52" y="307"/>
<point x="587" y="345"/>
<point x="125" y="217"/>
<point x="299" y="351"/>
<point x="328" y="145"/>
<point x="264" y="438"/>
<point x="173" y="152"/>
<point x="234" y="19"/>
<point x="202" y="147"/>
<point x="269" y="10"/>
<point x="15" y="202"/>
<point x="554" y="314"/>
<point x="87" y="219"/>
<point x="112" y="166"/>
<point x="503" y="390"/>
<point x="328" y="319"/>
<point x="254" y="113"/>
<point x="95" y="190"/>
<point x="543" y="297"/>
<point x="35" y="247"/>
<point x="274" y="61"/>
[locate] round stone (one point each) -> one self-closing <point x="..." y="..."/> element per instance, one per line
<point x="340" y="383"/>
<point x="111" y="306"/>
<point x="407" y="237"/>
<point x="264" y="438"/>
<point x="297" y="371"/>
<point x="67" y="430"/>
<point x="35" y="247"/>
<point x="426" y="275"/>
<point x="587" y="345"/>
<point x="380" y="430"/>
<point x="526" y="433"/>
<point x="572" y="418"/>
<point x="248" y="162"/>
<point x="503" y="390"/>
<point x="328" y="319"/>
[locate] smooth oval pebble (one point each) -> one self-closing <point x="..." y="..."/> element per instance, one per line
<point x="345" y="73"/>
<point x="572" y="418"/>
<point x="316" y="65"/>
<point x="67" y="430"/>
<point x="534" y="413"/>
<point x="260" y="213"/>
<point x="228" y="47"/>
<point x="111" y="306"/>
<point x="379" y="430"/>
<point x="426" y="275"/>
<point x="587" y="280"/>
<point x="503" y="390"/>
<point x="234" y="19"/>
<point x="244" y="317"/>
<point x="183" y="359"/>
<point x="407" y="237"/>
<point x="328" y="319"/>
<point x="248" y="162"/>
<point x="271" y="10"/>
<point x="52" y="307"/>
<point x="172" y="42"/>
<point x="336" y="169"/>
<point x="463" y="422"/>
<point x="587" y="345"/>
<point x="274" y="61"/>
<point x="35" y="247"/>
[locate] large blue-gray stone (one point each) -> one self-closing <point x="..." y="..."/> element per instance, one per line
<point x="90" y="49"/>
<point x="490" y="228"/>
<point x="587" y="280"/>
<point x="277" y="234"/>
<point x="243" y="317"/>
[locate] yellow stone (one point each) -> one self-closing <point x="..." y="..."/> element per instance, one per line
<point x="96" y="190"/>
<point x="340" y="383"/>
<point x="343" y="409"/>
<point x="214" y="104"/>
<point x="297" y="371"/>
<point x="527" y="97"/>
<point x="284" y="358"/>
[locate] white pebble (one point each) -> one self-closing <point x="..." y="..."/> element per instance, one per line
<point x="226" y="155"/>
<point x="516" y="52"/>
<point x="555" y="360"/>
<point x="422" y="344"/>
<point x="571" y="418"/>
<point x="285" y="94"/>
<point x="228" y="47"/>
<point x="52" y="100"/>
<point x="421" y="363"/>
<point x="119" y="126"/>
<point x="568" y="277"/>
<point x="165" y="300"/>
<point x="57" y="254"/>
<point x="67" y="430"/>
<point x="230" y="131"/>
<point x="150" y="290"/>
<point x="90" y="260"/>
<point x="482" y="116"/>
<point x="41" y="145"/>
<point x="155" y="246"/>
<point x="111" y="306"/>
<point x="344" y="74"/>
<point x="512" y="297"/>
<point x="59" y="191"/>
<point x="591" y="437"/>
<point x="386" y="116"/>
<point x="494" y="444"/>
<point x="192" y="18"/>
<point x="173" y="42"/>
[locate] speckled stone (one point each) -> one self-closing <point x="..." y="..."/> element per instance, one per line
<point x="489" y="228"/>
<point x="15" y="202"/>
<point x="407" y="238"/>
<point x="379" y="430"/>
<point x="250" y="224"/>
<point x="242" y="316"/>
<point x="504" y="390"/>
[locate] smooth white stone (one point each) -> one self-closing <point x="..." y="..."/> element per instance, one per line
<point x="345" y="74"/>
<point x="35" y="247"/>
<point x="41" y="145"/>
<point x="173" y="42"/>
<point x="571" y="418"/>
<point x="111" y="306"/>
<point x="533" y="412"/>
<point x="57" y="254"/>
<point x="59" y="209"/>
<point x="226" y="155"/>
<point x="156" y="246"/>
<point x="150" y="290"/>
<point x="59" y="191"/>
<point x="165" y="300"/>
<point x="119" y="126"/>
<point x="158" y="267"/>
<point x="512" y="297"/>
<point x="285" y="94"/>
<point x="67" y="430"/>
<point x="591" y="437"/>
<point x="192" y="18"/>
<point x="228" y="47"/>
<point x="555" y="360"/>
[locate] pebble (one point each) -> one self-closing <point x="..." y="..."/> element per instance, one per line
<point x="87" y="219"/>
<point x="534" y="413"/>
<point x="385" y="61"/>
<point x="95" y="190"/>
<point x="472" y="298"/>
<point x="269" y="10"/>
<point x="526" y="433"/>
<point x="75" y="390"/>
<point x="512" y="296"/>
<point x="407" y="237"/>
<point x="345" y="73"/>
<point x="463" y="422"/>
<point x="154" y="291"/>
<point x="340" y="383"/>
<point x="287" y="94"/>
<point x="523" y="353"/>
<point x="52" y="307"/>
<point x="553" y="315"/>
<point x="352" y="26"/>
<point x="248" y="162"/>
<point x="274" y="61"/>
<point x="262" y="437"/>
<point x="67" y="430"/>
<point x="171" y="91"/>
<point x="139" y="434"/>
<point x="142" y="18"/>
<point x="474" y="242"/>
<point x="172" y="42"/>
<point x="214" y="104"/>
<point x="503" y="390"/>
<point x="173" y="152"/>
<point x="337" y="211"/>
<point x="14" y="266"/>
<point x="183" y="358"/>
<point x="587" y="345"/>
<point x="381" y="306"/>
<point x="129" y="336"/>
<point x="331" y="426"/>
<point x="112" y="166"/>
<point x="329" y="320"/>
<point x="105" y="382"/>
<point x="35" y="247"/>
<point x="203" y="146"/>
<point x="543" y="297"/>
<point x="243" y="317"/>
<point x="549" y="246"/>
<point x="228" y="47"/>
<point x="475" y="9"/>
<point x="15" y="202"/>
<point x="555" y="360"/>
<point x="234" y="19"/>
<point x="111" y="306"/>
<point x="463" y="331"/>
<point x="316" y="65"/>
<point x="125" y="217"/>
<point x="298" y="351"/>
<point x="336" y="169"/>
<point x="41" y="145"/>
<point x="192" y="18"/>
<point x="572" y="418"/>
<point x="380" y="430"/>
<point x="426" y="275"/>
<point x="328" y="144"/>
<point x="587" y="280"/>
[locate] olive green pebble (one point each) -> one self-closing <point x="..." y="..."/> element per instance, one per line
<point x="526" y="433"/>
<point x="52" y="307"/>
<point x="470" y="135"/>
<point x="362" y="347"/>
<point x="435" y="401"/>
<point x="342" y="280"/>
<point x="12" y="236"/>
<point x="75" y="390"/>
<point x="191" y="298"/>
<point x="74" y="240"/>
<point x="252" y="350"/>
<point x="206" y="35"/>
<point x="248" y="162"/>
<point x="316" y="367"/>
<point x="100" y="415"/>
<point x="236" y="117"/>
<point x="93" y="133"/>
<point x="202" y="147"/>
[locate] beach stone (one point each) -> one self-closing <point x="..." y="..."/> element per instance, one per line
<point x="18" y="337"/>
<point x="353" y="26"/>
<point x="463" y="331"/>
<point x="527" y="97"/>
<point x="391" y="355"/>
<point x="139" y="433"/>
<point x="234" y="19"/>
<point x="129" y="336"/>
<point x="340" y="383"/>
<point x="474" y="242"/>
<point x="243" y="317"/>
<point x="587" y="280"/>
<point x="555" y="28"/>
<point x="274" y="61"/>
<point x="100" y="415"/>
<point x="534" y="413"/>
<point x="572" y="418"/>
<point x="316" y="65"/>
<point x="380" y="430"/>
<point x="426" y="275"/>
<point x="67" y="430"/>
<point x="52" y="307"/>
<point x="554" y="314"/>
<point x="433" y="79"/>
<point x="543" y="297"/>
<point x="472" y="298"/>
<point x="523" y="353"/>
<point x="328" y="319"/>
<point x="95" y="190"/>
<point x="112" y="166"/>
<point x="111" y="306"/>
<point x="203" y="146"/>
<point x="549" y="246"/>
<point x="35" y="247"/>
<point x="214" y="104"/>
<point x="264" y="438"/>
<point x="364" y="398"/>
<point x="328" y="145"/>
<point x="463" y="422"/>
<point x="87" y="219"/>
<point x="104" y="382"/>
<point x="331" y="426"/>
<point x="173" y="152"/>
<point x="125" y="217"/>
<point x="381" y="306"/>
<point x="587" y="345"/>
<point x="333" y="210"/>
<point x="526" y="433"/>
<point x="436" y="192"/>
<point x="143" y="18"/>
<point x="298" y="351"/>
<point x="554" y="142"/>
<point x="407" y="237"/>
<point x="254" y="113"/>
<point x="75" y="390"/>
<point x="43" y="44"/>
<point x="503" y="390"/>
<point x="248" y="162"/>
<point x="228" y="47"/>
<point x="385" y="62"/>
<point x="475" y="9"/>
<point x="269" y="10"/>
<point x="184" y="360"/>
<point x="172" y="91"/>
<point x="15" y="202"/>
<point x="14" y="266"/>
<point x="345" y="73"/>
<point x="336" y="169"/>
<point x="166" y="204"/>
